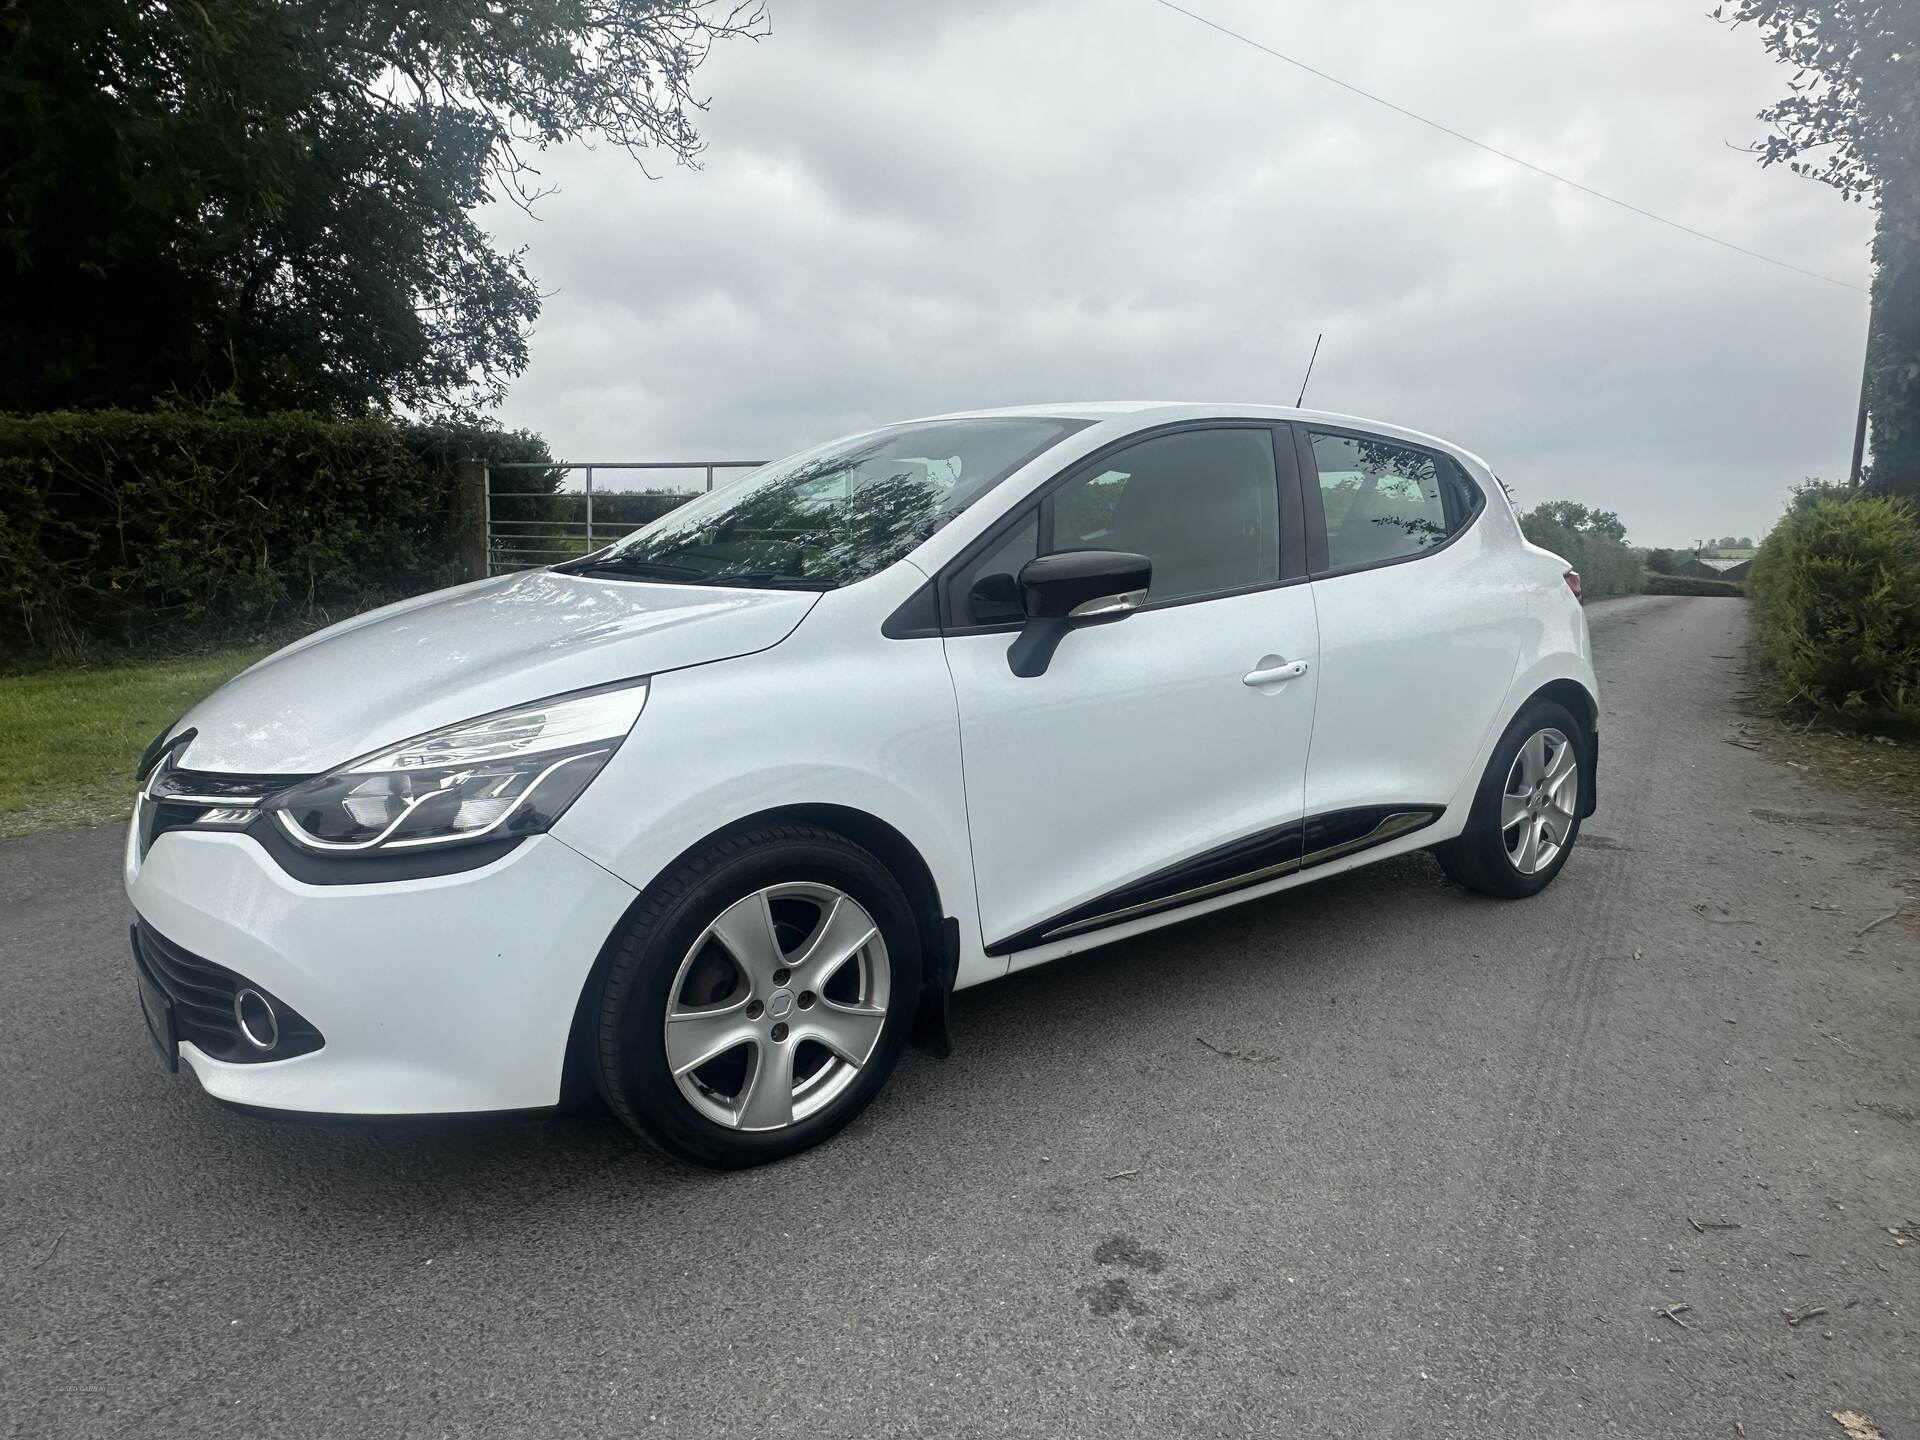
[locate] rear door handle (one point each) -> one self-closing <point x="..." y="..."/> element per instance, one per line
<point x="1270" y="674"/>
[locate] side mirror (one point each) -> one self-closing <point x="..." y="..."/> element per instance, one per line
<point x="1073" y="588"/>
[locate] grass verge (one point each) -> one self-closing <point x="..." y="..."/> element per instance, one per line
<point x="69" y="739"/>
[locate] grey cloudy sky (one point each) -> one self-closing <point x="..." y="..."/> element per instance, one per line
<point x="906" y="208"/>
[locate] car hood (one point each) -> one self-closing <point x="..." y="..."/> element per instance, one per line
<point x="442" y="658"/>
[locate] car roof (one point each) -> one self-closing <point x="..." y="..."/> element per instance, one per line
<point x="1144" y="413"/>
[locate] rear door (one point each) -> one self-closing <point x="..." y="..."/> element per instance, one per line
<point x="1420" y="626"/>
<point x="1160" y="759"/>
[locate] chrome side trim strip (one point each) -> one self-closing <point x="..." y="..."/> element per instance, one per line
<point x="1398" y="823"/>
<point x="1169" y="902"/>
<point x="1395" y="824"/>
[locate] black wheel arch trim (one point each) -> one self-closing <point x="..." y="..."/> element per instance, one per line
<point x="1580" y="702"/>
<point x="939" y="932"/>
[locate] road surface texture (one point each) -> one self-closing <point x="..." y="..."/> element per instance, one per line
<point x="1377" y="1158"/>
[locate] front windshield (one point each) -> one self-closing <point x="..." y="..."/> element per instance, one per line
<point x="834" y="515"/>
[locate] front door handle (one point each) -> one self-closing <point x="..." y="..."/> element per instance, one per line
<point x="1271" y="674"/>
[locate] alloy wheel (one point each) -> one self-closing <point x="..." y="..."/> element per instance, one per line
<point x="1538" y="802"/>
<point x="777" y="1006"/>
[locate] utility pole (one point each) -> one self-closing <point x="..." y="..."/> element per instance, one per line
<point x="1860" y="422"/>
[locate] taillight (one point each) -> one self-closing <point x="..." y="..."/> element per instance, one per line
<point x="1572" y="577"/>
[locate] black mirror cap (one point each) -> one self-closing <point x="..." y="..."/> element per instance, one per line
<point x="1054" y="586"/>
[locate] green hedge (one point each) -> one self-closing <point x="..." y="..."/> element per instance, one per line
<point x="1837" y="588"/>
<point x="156" y="530"/>
<point x="1606" y="564"/>
<point x="1657" y="584"/>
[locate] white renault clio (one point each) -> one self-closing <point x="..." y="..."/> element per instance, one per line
<point x="711" y="821"/>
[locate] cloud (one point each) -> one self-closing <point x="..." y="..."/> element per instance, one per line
<point x="910" y="208"/>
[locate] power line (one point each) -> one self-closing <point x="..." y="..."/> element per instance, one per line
<point x="1504" y="155"/>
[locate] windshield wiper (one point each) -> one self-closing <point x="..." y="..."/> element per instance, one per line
<point x="635" y="568"/>
<point x="620" y="567"/>
<point x="768" y="580"/>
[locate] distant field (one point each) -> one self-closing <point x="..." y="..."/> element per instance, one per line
<point x="69" y="739"/>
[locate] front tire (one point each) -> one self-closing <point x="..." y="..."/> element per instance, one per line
<point x="758" y="998"/>
<point x="1526" y="814"/>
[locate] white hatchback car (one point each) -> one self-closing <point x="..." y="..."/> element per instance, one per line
<point x="711" y="821"/>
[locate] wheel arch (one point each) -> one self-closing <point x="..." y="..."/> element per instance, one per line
<point x="939" y="932"/>
<point x="1581" y="703"/>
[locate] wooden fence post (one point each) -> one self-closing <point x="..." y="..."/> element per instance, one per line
<point x="470" y="506"/>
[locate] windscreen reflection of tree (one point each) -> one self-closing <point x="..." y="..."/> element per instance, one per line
<point x="889" y="515"/>
<point x="824" y="521"/>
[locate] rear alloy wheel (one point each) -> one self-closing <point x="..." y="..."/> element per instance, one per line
<point x="1538" y="803"/>
<point x="1526" y="815"/>
<point x="758" y="997"/>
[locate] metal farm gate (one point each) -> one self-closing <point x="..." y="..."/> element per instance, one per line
<point x="530" y="527"/>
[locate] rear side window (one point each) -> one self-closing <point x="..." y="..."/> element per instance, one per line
<point x="1385" y="501"/>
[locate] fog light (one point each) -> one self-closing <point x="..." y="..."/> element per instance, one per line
<point x="258" y="1023"/>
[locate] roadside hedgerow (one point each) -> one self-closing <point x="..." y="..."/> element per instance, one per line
<point x="1837" y="590"/>
<point x="1658" y="584"/>
<point x="142" y="530"/>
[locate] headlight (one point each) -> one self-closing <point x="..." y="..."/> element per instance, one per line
<point x="504" y="775"/>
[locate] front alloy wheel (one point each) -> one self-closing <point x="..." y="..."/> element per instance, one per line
<point x="778" y="1006"/>
<point x="757" y="996"/>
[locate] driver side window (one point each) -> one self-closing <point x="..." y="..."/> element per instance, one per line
<point x="1202" y="505"/>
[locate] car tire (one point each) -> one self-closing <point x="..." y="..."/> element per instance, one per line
<point x="1491" y="856"/>
<point x="666" y="997"/>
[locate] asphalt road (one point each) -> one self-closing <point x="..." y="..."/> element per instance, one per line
<point x="1440" y="1183"/>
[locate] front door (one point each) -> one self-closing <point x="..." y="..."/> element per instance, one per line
<point x="1160" y="759"/>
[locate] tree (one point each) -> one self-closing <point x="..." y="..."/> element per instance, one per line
<point x="1852" y="121"/>
<point x="273" y="199"/>
<point x="1663" y="561"/>
<point x="1591" y="541"/>
<point x="1572" y="516"/>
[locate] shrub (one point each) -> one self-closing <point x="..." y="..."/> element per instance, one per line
<point x="124" y="529"/>
<point x="1837" y="585"/>
<point x="1592" y="542"/>
<point x="1657" y="584"/>
<point x="1663" y="562"/>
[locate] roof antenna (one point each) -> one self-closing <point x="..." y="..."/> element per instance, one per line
<point x="1309" y="375"/>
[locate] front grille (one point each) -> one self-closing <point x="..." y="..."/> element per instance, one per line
<point x="176" y="799"/>
<point x="202" y="994"/>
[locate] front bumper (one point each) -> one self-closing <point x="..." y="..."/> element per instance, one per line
<point x="435" y="996"/>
